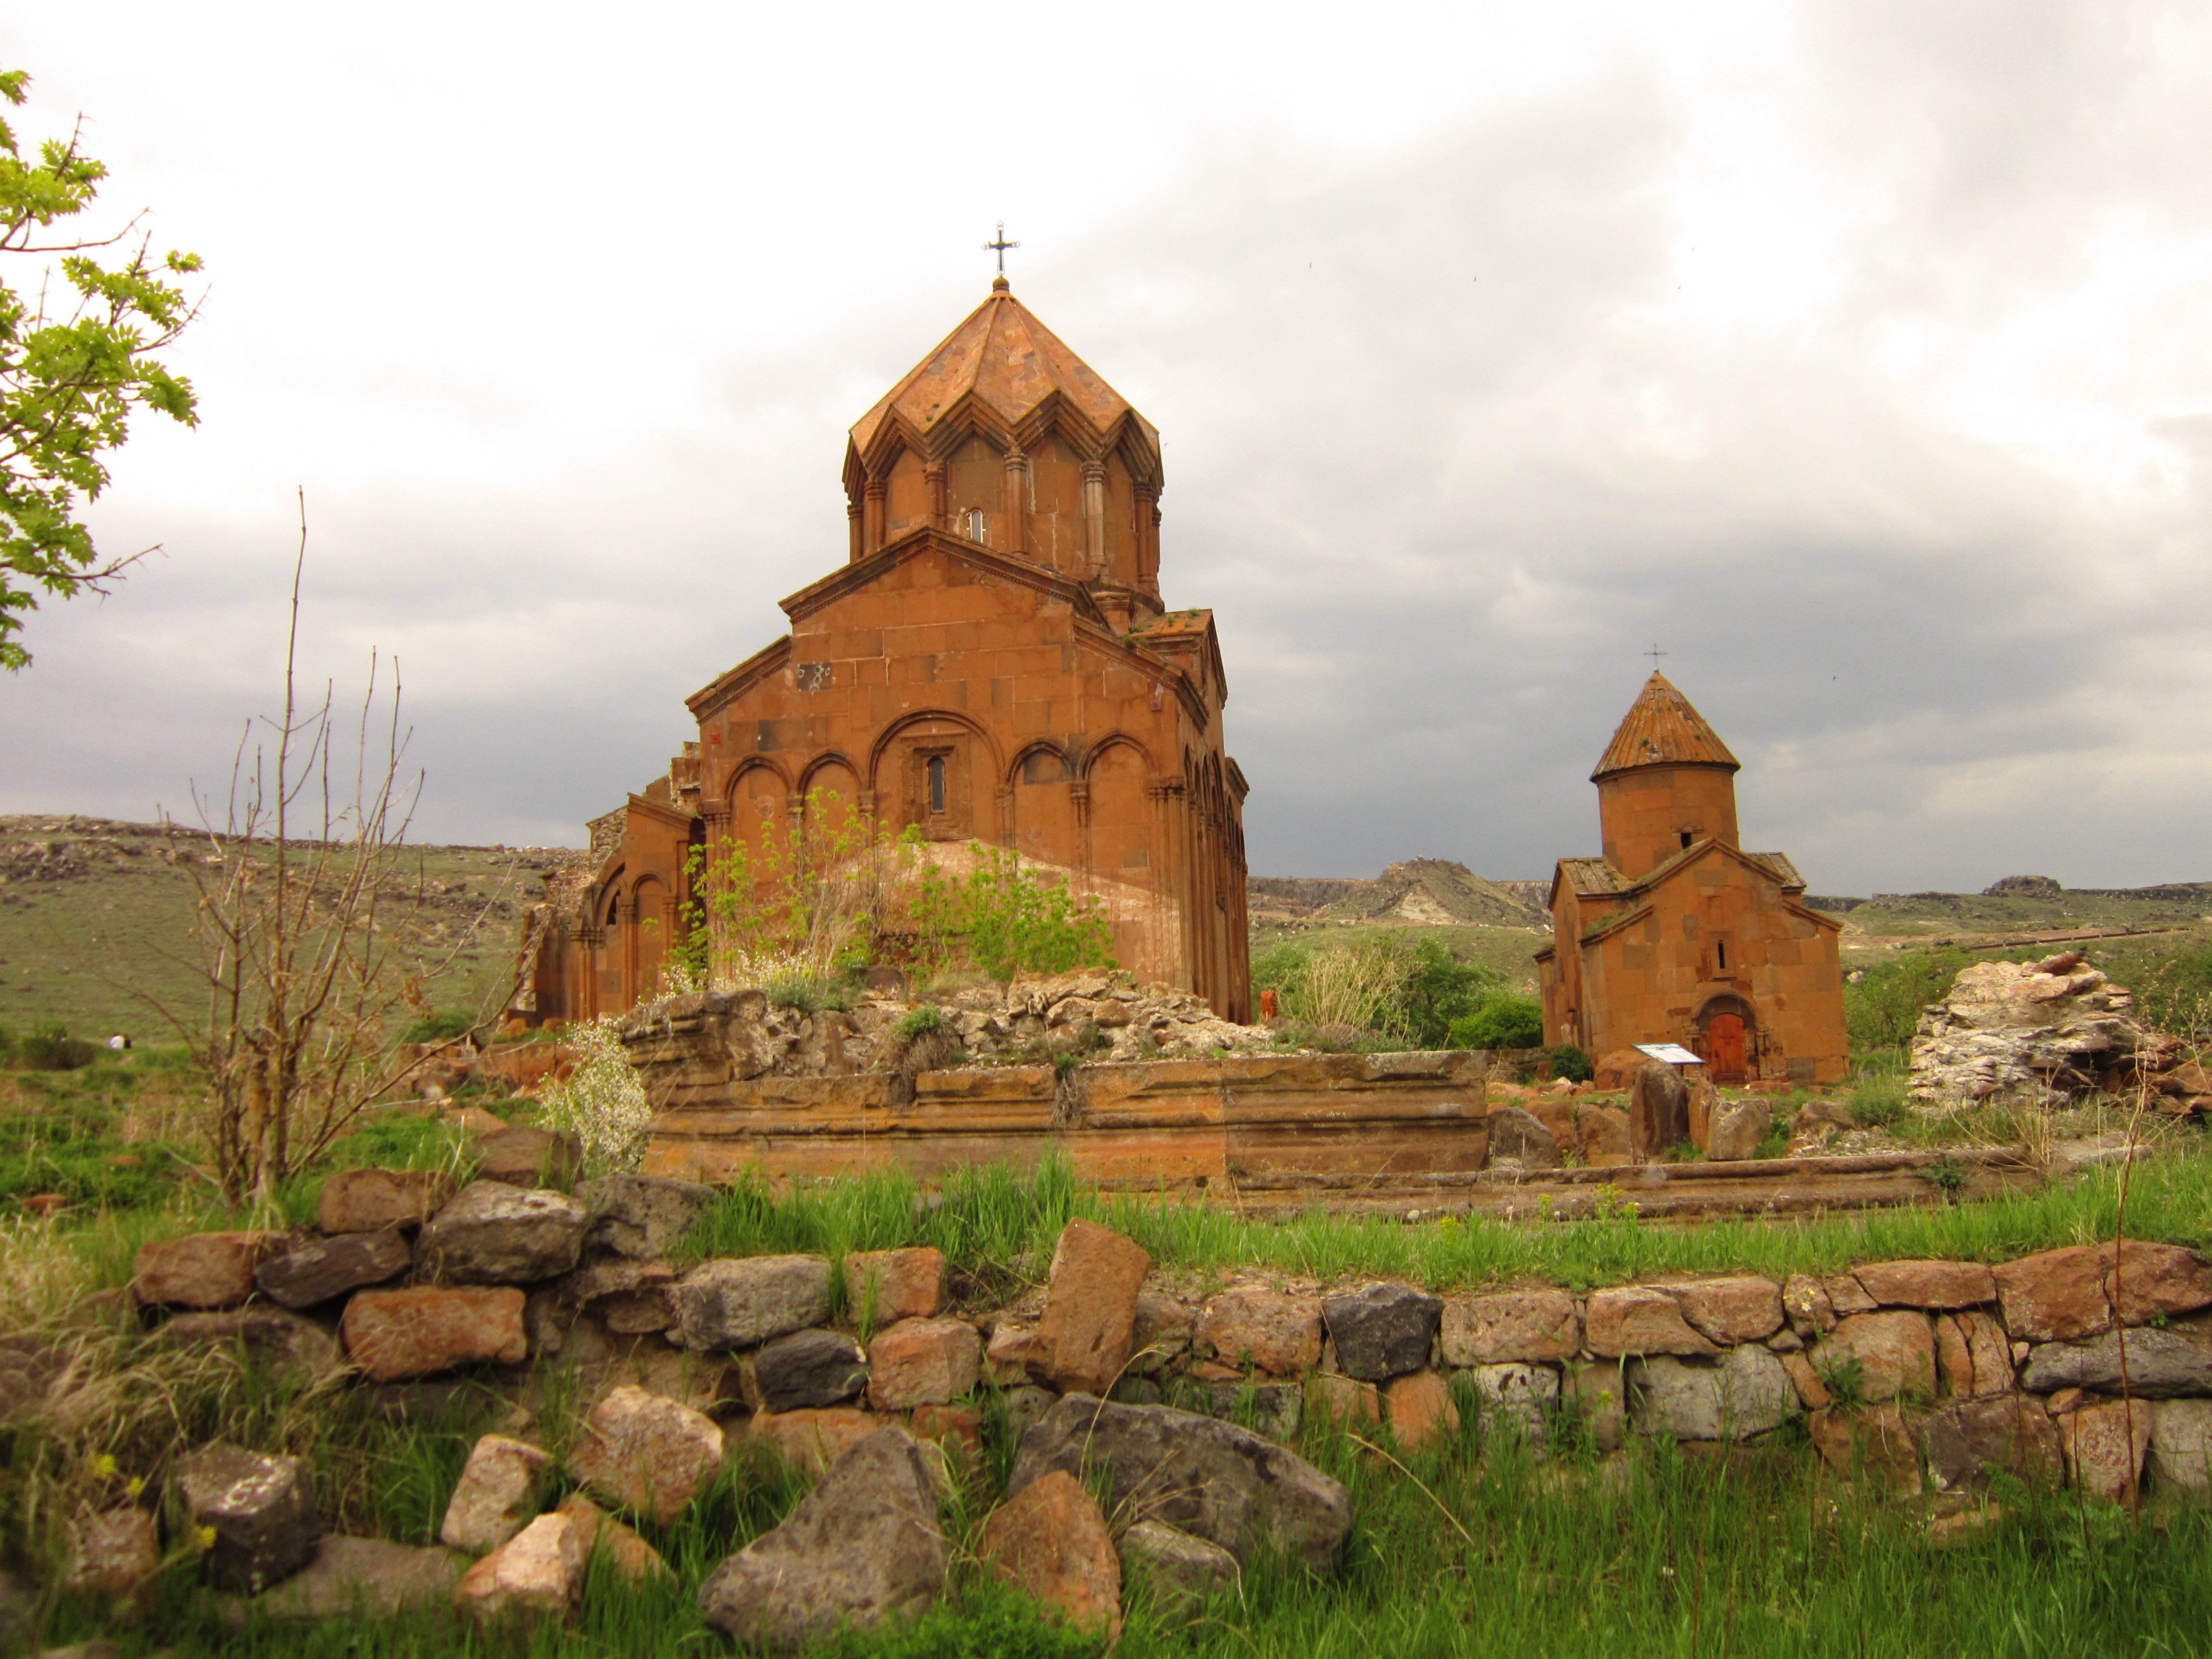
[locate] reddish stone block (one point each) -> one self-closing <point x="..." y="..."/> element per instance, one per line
<point x="884" y="1287"/>
<point x="1937" y="1285"/>
<point x="1419" y="1409"/>
<point x="2054" y="1295"/>
<point x="1632" y="1319"/>
<point x="2146" y="1281"/>
<point x="203" y="1271"/>
<point x="1268" y="1330"/>
<point x="392" y="1335"/>
<point x="369" y="1201"/>
<point x="1051" y="1540"/>
<point x="1895" y="1351"/>
<point x="923" y="1362"/>
<point x="1728" y="1311"/>
<point x="812" y="1440"/>
<point x="1091" y="1308"/>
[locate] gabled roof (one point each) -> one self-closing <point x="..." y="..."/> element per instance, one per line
<point x="1006" y="567"/>
<point x="1662" y="729"/>
<point x="1592" y="877"/>
<point x="1001" y="368"/>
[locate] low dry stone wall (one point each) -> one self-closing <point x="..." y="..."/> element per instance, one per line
<point x="1173" y="1396"/>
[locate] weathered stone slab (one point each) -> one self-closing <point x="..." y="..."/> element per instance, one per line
<point x="2146" y="1282"/>
<point x="1894" y="1352"/>
<point x="392" y="1335"/>
<point x="646" y="1453"/>
<point x="1520" y="1398"/>
<point x="1736" y="1129"/>
<point x="884" y="1287"/>
<point x="633" y="1559"/>
<point x="642" y="1216"/>
<point x="1050" y="1539"/>
<point x="537" y="1573"/>
<point x="262" y="1335"/>
<point x="1091" y="1308"/>
<point x="1965" y="1441"/>
<point x="742" y="1302"/>
<point x="369" y="1201"/>
<point x="1939" y="1286"/>
<point x="1743" y="1307"/>
<point x="1634" y="1319"/>
<point x="1745" y="1392"/>
<point x="206" y="1271"/>
<point x="1509" y="1327"/>
<point x="1209" y="1478"/>
<point x="1381" y="1331"/>
<point x="519" y="1154"/>
<point x="261" y="1509"/>
<point x="2161" y="1363"/>
<point x="924" y="1362"/>
<point x="2181" y="1444"/>
<point x="324" y="1269"/>
<point x="812" y="1440"/>
<point x="1173" y="1567"/>
<point x="112" y="1552"/>
<point x="1519" y="1140"/>
<point x="863" y="1546"/>
<point x="368" y="1576"/>
<point x="809" y="1369"/>
<point x="2055" y="1295"/>
<point x="494" y="1233"/>
<point x="2105" y="1445"/>
<point x="1268" y="1330"/>
<point x="495" y="1495"/>
<point x="1872" y="1442"/>
<point x="1160" y="1334"/>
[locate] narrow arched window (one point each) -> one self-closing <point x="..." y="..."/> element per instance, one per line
<point x="1720" y="945"/>
<point x="936" y="783"/>
<point x="973" y="526"/>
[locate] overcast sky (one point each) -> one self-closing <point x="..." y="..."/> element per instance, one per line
<point x="1857" y="355"/>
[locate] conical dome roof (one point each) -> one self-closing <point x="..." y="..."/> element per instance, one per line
<point x="1001" y="368"/>
<point x="1662" y="729"/>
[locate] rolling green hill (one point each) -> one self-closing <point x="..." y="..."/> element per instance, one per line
<point x="95" y="922"/>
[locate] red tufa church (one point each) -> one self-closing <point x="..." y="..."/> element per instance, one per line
<point x="1678" y="935"/>
<point x="992" y="662"/>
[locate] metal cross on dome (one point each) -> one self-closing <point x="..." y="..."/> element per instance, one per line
<point x="1655" y="654"/>
<point x="1000" y="247"/>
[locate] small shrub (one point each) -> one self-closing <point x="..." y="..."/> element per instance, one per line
<point x="919" y="1022"/>
<point x="1882" y="1010"/>
<point x="1775" y="1143"/>
<point x="1436" y="989"/>
<point x="799" y="991"/>
<point x="602" y="1103"/>
<point x="1572" y="1063"/>
<point x="1504" y="1019"/>
<point x="1947" y="1175"/>
<point x="50" y="1047"/>
<point x="439" y="1028"/>
<point x="1846" y="1381"/>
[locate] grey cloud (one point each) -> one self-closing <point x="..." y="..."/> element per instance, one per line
<point x="1442" y="458"/>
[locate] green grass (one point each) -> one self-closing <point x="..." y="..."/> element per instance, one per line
<point x="1481" y="1553"/>
<point x="998" y="1229"/>
<point x="88" y="949"/>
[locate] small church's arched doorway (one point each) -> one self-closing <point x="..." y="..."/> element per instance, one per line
<point x="1727" y="1038"/>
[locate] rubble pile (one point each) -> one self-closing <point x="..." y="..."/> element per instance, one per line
<point x="1101" y="1014"/>
<point x="2043" y="1033"/>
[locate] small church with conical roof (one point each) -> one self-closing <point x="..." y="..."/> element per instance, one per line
<point x="1676" y="934"/>
<point x="993" y="662"/>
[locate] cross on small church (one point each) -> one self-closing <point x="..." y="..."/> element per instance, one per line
<point x="1000" y="247"/>
<point x="1655" y="654"/>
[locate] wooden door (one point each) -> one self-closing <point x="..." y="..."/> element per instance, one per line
<point x="1723" y="1047"/>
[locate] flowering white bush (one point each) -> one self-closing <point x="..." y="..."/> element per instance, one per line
<point x="602" y="1103"/>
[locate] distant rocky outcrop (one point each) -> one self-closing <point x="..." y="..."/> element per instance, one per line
<point x="2033" y="887"/>
<point x="1424" y="892"/>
